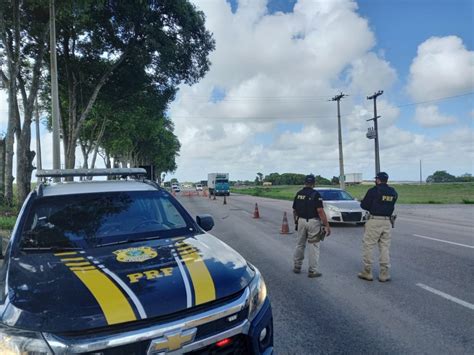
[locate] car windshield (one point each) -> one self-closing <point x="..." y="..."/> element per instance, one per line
<point x="335" y="195"/>
<point x="88" y="220"/>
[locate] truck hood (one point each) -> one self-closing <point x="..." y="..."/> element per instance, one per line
<point x="94" y="288"/>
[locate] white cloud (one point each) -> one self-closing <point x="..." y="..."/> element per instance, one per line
<point x="369" y="73"/>
<point x="274" y="68"/>
<point x="277" y="72"/>
<point x="443" y="67"/>
<point x="429" y="116"/>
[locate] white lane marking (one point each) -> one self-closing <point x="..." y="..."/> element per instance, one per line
<point x="129" y="292"/>
<point x="444" y="241"/>
<point x="448" y="297"/>
<point x="187" y="286"/>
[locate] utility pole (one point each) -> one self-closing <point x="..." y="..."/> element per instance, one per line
<point x="342" y="178"/>
<point x="54" y="87"/>
<point x="375" y="131"/>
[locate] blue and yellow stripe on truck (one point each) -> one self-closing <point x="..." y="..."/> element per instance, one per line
<point x="203" y="284"/>
<point x="112" y="301"/>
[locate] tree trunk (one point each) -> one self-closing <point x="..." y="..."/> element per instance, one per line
<point x="9" y="141"/>
<point x="25" y="156"/>
<point x="2" y="167"/>
<point x="24" y="163"/>
<point x="97" y="143"/>
<point x="75" y="124"/>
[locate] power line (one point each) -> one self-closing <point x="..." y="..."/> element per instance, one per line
<point x="435" y="100"/>
<point x="309" y="116"/>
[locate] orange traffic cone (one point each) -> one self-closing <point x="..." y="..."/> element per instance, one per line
<point x="256" y="214"/>
<point x="285" y="229"/>
<point x="225" y="201"/>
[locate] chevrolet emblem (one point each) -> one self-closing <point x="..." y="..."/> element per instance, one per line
<point x="171" y="341"/>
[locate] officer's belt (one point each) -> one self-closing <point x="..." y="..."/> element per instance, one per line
<point x="379" y="217"/>
<point x="307" y="219"/>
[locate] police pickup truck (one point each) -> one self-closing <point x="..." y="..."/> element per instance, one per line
<point x="120" y="267"/>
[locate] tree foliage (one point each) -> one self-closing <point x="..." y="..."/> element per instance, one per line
<point x="23" y="44"/>
<point x="441" y="176"/>
<point x="165" y="39"/>
<point x="293" y="179"/>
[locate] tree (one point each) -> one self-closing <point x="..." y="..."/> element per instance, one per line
<point x="322" y="181"/>
<point x="440" y="176"/>
<point x="466" y="177"/>
<point x="96" y="38"/>
<point x="23" y="39"/>
<point x="139" y="132"/>
<point x="335" y="180"/>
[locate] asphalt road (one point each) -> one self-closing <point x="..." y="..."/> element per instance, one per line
<point x="427" y="308"/>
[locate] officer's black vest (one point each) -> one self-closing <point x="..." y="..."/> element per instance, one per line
<point x="305" y="203"/>
<point x="384" y="202"/>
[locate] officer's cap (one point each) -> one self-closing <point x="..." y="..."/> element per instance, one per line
<point x="309" y="179"/>
<point x="382" y="176"/>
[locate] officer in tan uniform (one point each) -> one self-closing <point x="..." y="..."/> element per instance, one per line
<point x="380" y="202"/>
<point x="308" y="213"/>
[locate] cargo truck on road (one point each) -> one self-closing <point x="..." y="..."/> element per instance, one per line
<point x="218" y="183"/>
<point x="353" y="178"/>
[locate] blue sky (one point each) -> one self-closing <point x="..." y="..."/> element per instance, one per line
<point x="263" y="106"/>
<point x="277" y="63"/>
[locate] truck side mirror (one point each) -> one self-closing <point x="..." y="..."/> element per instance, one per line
<point x="205" y="221"/>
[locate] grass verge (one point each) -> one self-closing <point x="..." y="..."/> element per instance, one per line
<point x="451" y="193"/>
<point x="7" y="222"/>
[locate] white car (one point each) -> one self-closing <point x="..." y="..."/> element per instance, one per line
<point x="198" y="187"/>
<point x="341" y="207"/>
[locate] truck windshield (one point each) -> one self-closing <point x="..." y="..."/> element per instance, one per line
<point x="88" y="220"/>
<point x="222" y="181"/>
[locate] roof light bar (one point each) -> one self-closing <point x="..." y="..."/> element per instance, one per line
<point x="89" y="172"/>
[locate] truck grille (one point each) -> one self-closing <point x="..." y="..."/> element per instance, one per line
<point x="203" y="331"/>
<point x="351" y="216"/>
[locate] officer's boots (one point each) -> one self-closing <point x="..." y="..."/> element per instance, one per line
<point x="366" y="274"/>
<point x="384" y="274"/>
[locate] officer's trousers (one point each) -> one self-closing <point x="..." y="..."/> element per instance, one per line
<point x="307" y="229"/>
<point x="377" y="231"/>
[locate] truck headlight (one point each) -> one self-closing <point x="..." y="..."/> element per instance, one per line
<point x="21" y="342"/>
<point x="258" y="294"/>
